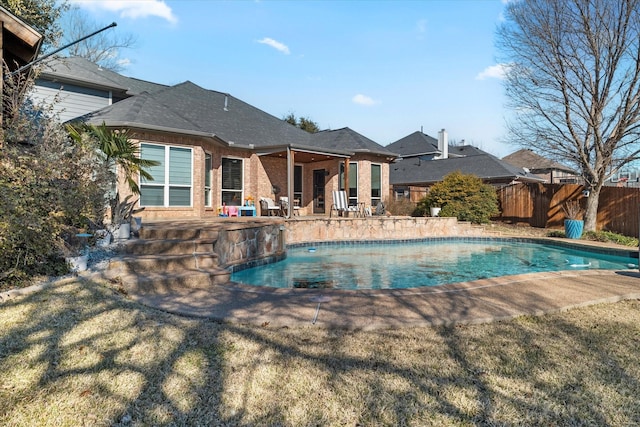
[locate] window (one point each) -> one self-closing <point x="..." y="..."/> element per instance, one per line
<point x="352" y="193"/>
<point x="172" y="178"/>
<point x="376" y="184"/>
<point x="232" y="181"/>
<point x="297" y="183"/>
<point x="208" y="165"/>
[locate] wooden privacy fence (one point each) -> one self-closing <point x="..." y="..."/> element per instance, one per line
<point x="540" y="205"/>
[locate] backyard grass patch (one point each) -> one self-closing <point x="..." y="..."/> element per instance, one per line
<point x="80" y="353"/>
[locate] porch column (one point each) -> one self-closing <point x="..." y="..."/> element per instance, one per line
<point x="346" y="177"/>
<point x="290" y="168"/>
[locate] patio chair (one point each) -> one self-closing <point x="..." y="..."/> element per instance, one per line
<point x="268" y="206"/>
<point x="341" y="206"/>
<point x="284" y="206"/>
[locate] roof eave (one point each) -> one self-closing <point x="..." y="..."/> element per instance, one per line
<point x="156" y="128"/>
<point x="20" y="28"/>
<point x="387" y="154"/>
<point x="270" y="149"/>
<point x="63" y="78"/>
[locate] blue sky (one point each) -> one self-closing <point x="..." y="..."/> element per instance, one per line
<point x="383" y="68"/>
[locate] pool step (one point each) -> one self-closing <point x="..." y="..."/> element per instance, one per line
<point x="166" y="283"/>
<point x="142" y="264"/>
<point x="169" y="246"/>
<point x="169" y="256"/>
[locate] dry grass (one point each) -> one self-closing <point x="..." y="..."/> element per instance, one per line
<point x="80" y="353"/>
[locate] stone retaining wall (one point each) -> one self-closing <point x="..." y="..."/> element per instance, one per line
<point x="236" y="245"/>
<point x="376" y="228"/>
<point x="245" y="242"/>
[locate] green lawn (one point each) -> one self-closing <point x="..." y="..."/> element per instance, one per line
<point x="81" y="353"/>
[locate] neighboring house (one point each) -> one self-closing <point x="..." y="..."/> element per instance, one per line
<point x="552" y="172"/>
<point x="215" y="149"/>
<point x="19" y="45"/>
<point x="425" y="160"/>
<point x="75" y="86"/>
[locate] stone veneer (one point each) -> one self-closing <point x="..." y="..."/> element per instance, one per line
<point x="244" y="242"/>
<point x="241" y="244"/>
<point x="376" y="228"/>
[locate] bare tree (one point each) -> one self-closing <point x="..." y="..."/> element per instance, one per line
<point x="104" y="49"/>
<point x="573" y="80"/>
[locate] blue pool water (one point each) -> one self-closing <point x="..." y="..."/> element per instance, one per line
<point x="417" y="264"/>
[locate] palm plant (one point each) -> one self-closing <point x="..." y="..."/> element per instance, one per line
<point x="117" y="148"/>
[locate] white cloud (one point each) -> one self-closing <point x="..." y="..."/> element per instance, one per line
<point x="124" y="62"/>
<point x="365" y="100"/>
<point x="497" y="71"/>
<point x="275" y="44"/>
<point x="421" y="26"/>
<point x="133" y="9"/>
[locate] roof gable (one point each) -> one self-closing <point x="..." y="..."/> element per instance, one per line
<point x="415" y="144"/>
<point x="348" y="139"/>
<point x="189" y="109"/>
<point x="526" y="158"/>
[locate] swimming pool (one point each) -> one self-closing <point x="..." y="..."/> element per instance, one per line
<point x="431" y="262"/>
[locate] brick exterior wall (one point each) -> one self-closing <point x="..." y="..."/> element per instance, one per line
<point x="261" y="175"/>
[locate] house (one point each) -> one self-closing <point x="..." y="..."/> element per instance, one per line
<point x="552" y="172"/>
<point x="19" y="45"/>
<point x="214" y="149"/>
<point x="425" y="160"/>
<point x="75" y="86"/>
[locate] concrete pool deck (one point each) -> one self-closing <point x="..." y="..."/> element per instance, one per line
<point x="479" y="301"/>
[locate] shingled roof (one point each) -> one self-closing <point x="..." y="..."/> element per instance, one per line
<point x="86" y="73"/>
<point x="189" y="109"/>
<point x="415" y="144"/>
<point x="525" y="158"/>
<point x="348" y="139"/>
<point x="415" y="171"/>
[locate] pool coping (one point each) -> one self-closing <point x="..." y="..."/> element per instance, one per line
<point x="481" y="301"/>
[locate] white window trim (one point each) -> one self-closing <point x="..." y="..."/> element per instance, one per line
<point x="166" y="185"/>
<point x="379" y="199"/>
<point x="208" y="203"/>
<point x="357" y="181"/>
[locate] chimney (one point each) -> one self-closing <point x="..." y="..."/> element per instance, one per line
<point x="443" y="144"/>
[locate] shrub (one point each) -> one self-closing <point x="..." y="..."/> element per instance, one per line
<point x="463" y="196"/>
<point x="50" y="187"/>
<point x="400" y="207"/>
<point x="608" y="236"/>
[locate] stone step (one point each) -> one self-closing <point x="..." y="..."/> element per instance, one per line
<point x="169" y="247"/>
<point x="165" y="283"/>
<point x="168" y="232"/>
<point x="141" y="264"/>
